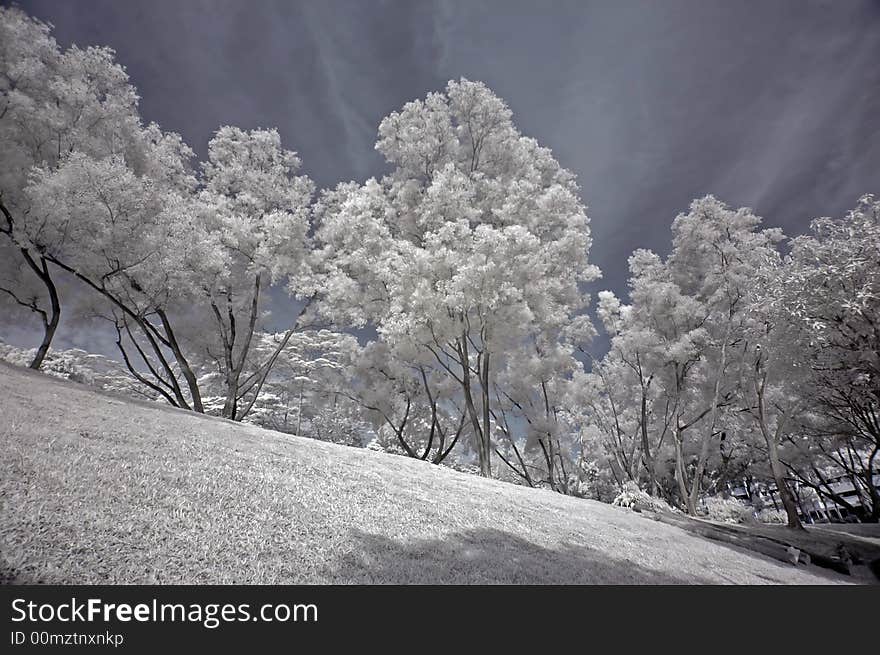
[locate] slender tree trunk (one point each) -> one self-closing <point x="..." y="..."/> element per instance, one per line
<point x="548" y="458"/>
<point x="169" y="380"/>
<point x="235" y="367"/>
<point x="50" y="323"/>
<point x="707" y="437"/>
<point x="646" y="448"/>
<point x="253" y="384"/>
<point x="230" y="405"/>
<point x="785" y="494"/>
<point x="788" y="502"/>
<point x="443" y="454"/>
<point x="299" y="411"/>
<point x="464" y="358"/>
<point x="679" y="472"/>
<point x="647" y="459"/>
<point x="486" y="470"/>
<point x="165" y="336"/>
<point x="874" y="515"/>
<point x="185" y="368"/>
<point x="41" y="270"/>
<point x="48" y="334"/>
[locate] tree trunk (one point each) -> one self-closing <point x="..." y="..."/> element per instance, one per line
<point x="255" y="381"/>
<point x="230" y="405"/>
<point x="50" y="324"/>
<point x="151" y="332"/>
<point x="487" y="431"/>
<point x="785" y="494"/>
<point x="788" y="502"/>
<point x="464" y="358"/>
<point x="299" y="411"/>
<point x="646" y="448"/>
<point x="229" y="334"/>
<point x="185" y="368"/>
<point x="679" y="473"/>
<point x="874" y="515"/>
<point x="707" y="437"/>
<point x="647" y="459"/>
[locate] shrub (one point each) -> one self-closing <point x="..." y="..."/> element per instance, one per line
<point x="633" y="497"/>
<point x="728" y="510"/>
<point x="770" y="515"/>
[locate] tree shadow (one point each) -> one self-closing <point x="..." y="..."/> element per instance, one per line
<point x="484" y="556"/>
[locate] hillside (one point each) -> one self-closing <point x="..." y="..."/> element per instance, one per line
<point x="97" y="489"/>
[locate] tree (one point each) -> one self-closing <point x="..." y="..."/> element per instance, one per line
<point x="606" y="395"/>
<point x="685" y="320"/>
<point x="53" y="104"/>
<point x="533" y="417"/>
<point x="828" y="292"/>
<point x="770" y="372"/>
<point x="471" y="250"/>
<point x="119" y="231"/>
<point x="184" y="262"/>
<point x="254" y="211"/>
<point x="715" y="253"/>
<point x="307" y="390"/>
<point x="415" y="410"/>
<point x="624" y="377"/>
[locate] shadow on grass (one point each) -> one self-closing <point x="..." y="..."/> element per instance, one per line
<point x="484" y="556"/>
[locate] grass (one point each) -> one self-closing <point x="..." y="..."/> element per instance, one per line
<point x="97" y="489"/>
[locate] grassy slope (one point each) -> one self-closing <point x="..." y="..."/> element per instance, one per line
<point x="98" y="489"/>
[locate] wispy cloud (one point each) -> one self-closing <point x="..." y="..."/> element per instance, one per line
<point x="334" y="42"/>
<point x="775" y="105"/>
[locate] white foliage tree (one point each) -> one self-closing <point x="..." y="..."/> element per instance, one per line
<point x="53" y="104"/>
<point x="684" y="329"/>
<point x="470" y="251"/>
<point x="253" y="210"/>
<point x="827" y="300"/>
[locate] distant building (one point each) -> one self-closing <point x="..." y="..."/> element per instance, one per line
<point x="812" y="506"/>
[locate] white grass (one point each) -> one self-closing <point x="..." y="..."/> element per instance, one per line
<point x="96" y="489"/>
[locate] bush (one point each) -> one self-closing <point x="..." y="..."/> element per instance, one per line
<point x="728" y="510"/>
<point x="633" y="497"/>
<point x="770" y="515"/>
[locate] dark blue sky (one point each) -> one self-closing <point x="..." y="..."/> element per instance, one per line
<point x="773" y="105"/>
